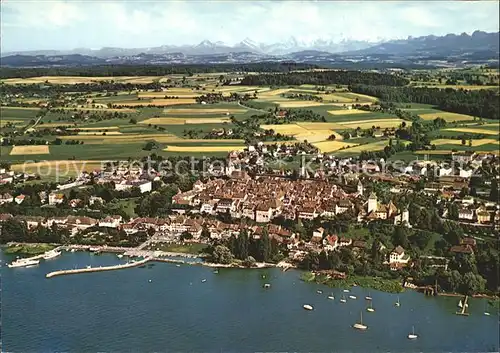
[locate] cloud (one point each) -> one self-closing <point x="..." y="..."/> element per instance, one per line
<point x="66" y="24"/>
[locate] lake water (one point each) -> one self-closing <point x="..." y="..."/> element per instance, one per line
<point x="121" y="311"/>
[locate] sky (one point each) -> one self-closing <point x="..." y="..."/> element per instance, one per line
<point x="63" y="25"/>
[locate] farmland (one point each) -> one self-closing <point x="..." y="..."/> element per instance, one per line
<point x="175" y="120"/>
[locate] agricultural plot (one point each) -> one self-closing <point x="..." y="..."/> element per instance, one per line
<point x="202" y="110"/>
<point x="28" y="150"/>
<point x="184" y="121"/>
<point x="472" y="130"/>
<point x="332" y="146"/>
<point x="475" y="142"/>
<point x="18" y="113"/>
<point x="80" y="79"/>
<point x="347" y="112"/>
<point x="97" y="109"/>
<point x="371" y="147"/>
<point x="297" y="104"/>
<point x="4" y="122"/>
<point x="158" y="102"/>
<point x="448" y="117"/>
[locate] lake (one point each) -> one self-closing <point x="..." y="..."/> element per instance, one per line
<point x="163" y="307"/>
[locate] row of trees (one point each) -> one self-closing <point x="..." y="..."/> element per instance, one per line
<point x="324" y="78"/>
<point x="151" y="70"/>
<point x="480" y="103"/>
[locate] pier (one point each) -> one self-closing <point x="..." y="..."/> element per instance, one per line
<point x="97" y="269"/>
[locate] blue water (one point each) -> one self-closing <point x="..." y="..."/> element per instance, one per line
<point x="121" y="311"/>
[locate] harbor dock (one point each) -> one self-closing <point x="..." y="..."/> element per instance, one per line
<point x="97" y="269"/>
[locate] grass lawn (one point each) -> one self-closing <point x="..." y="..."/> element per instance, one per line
<point x="28" y="249"/>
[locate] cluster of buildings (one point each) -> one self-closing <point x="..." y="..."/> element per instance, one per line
<point x="267" y="197"/>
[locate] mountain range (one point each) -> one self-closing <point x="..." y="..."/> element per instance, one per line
<point x="479" y="46"/>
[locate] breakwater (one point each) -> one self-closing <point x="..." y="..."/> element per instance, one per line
<point x="97" y="269"/>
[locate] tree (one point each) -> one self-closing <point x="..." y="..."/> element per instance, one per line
<point x="186" y="236"/>
<point x="222" y="255"/>
<point x="400" y="236"/>
<point x="494" y="194"/>
<point x="472" y="283"/>
<point x="205" y="233"/>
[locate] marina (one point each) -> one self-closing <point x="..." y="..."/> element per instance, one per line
<point x="215" y="309"/>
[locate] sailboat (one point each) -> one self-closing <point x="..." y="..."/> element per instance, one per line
<point x="370" y="308"/>
<point x="343" y="299"/>
<point x="460" y="305"/>
<point x="368" y="297"/>
<point x="359" y="325"/>
<point x="412" y="335"/>
<point x="331" y="297"/>
<point x="398" y="303"/>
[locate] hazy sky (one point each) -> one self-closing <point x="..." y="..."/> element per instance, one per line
<point x="45" y="24"/>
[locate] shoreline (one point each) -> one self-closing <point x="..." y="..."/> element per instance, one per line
<point x="258" y="265"/>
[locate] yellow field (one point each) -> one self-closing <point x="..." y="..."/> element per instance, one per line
<point x="24" y="150"/>
<point x="374" y="146"/>
<point x="316" y="135"/>
<point x="182" y="121"/>
<point x="448" y="117"/>
<point x="449" y="152"/>
<point x="331" y="146"/>
<point x="297" y="104"/>
<point x="276" y="92"/>
<point x="203" y="148"/>
<point x="473" y="130"/>
<point x="203" y="111"/>
<point x="108" y="133"/>
<point x="366" y="124"/>
<point x="320" y="126"/>
<point x="475" y="143"/>
<point x="161" y="102"/>
<point x="140" y="138"/>
<point x="19" y="108"/>
<point x="347" y="112"/>
<point x="336" y="98"/>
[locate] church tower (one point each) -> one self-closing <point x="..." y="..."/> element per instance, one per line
<point x="372" y="202"/>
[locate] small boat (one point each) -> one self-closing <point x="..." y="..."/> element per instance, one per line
<point x="150" y="281"/>
<point x="412" y="335"/>
<point x="203" y="280"/>
<point x="178" y="265"/>
<point x="319" y="291"/>
<point x="359" y="325"/>
<point x="119" y="256"/>
<point x="23" y="263"/>
<point x="331" y="297"/>
<point x="352" y="296"/>
<point x="307" y="307"/>
<point x="88" y="266"/>
<point x="460" y="305"/>
<point x="486" y="313"/>
<point x="72" y="250"/>
<point x="267" y="285"/>
<point x="370" y="308"/>
<point x="216" y="271"/>
<point x="368" y="297"/>
<point x="51" y="254"/>
<point x="343" y="299"/>
<point x="398" y="303"/>
<point x="346" y="291"/>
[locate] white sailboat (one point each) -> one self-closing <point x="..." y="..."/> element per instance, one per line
<point x="368" y="297"/>
<point x="307" y="307"/>
<point x="370" y="308"/>
<point x="352" y="296"/>
<point x="412" y="335"/>
<point x="331" y="297"/>
<point x="359" y="325"/>
<point x="398" y="303"/>
<point x="319" y="291"/>
<point x="460" y="304"/>
<point x="343" y="299"/>
<point x="346" y="290"/>
<point x="486" y="313"/>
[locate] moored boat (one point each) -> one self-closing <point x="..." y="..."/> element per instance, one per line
<point x="352" y="296"/>
<point x="51" y="254"/>
<point x="23" y="263"/>
<point x="359" y="325"/>
<point x="307" y="307"/>
<point x="331" y="297"/>
<point x="412" y="335"/>
<point x="343" y="299"/>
